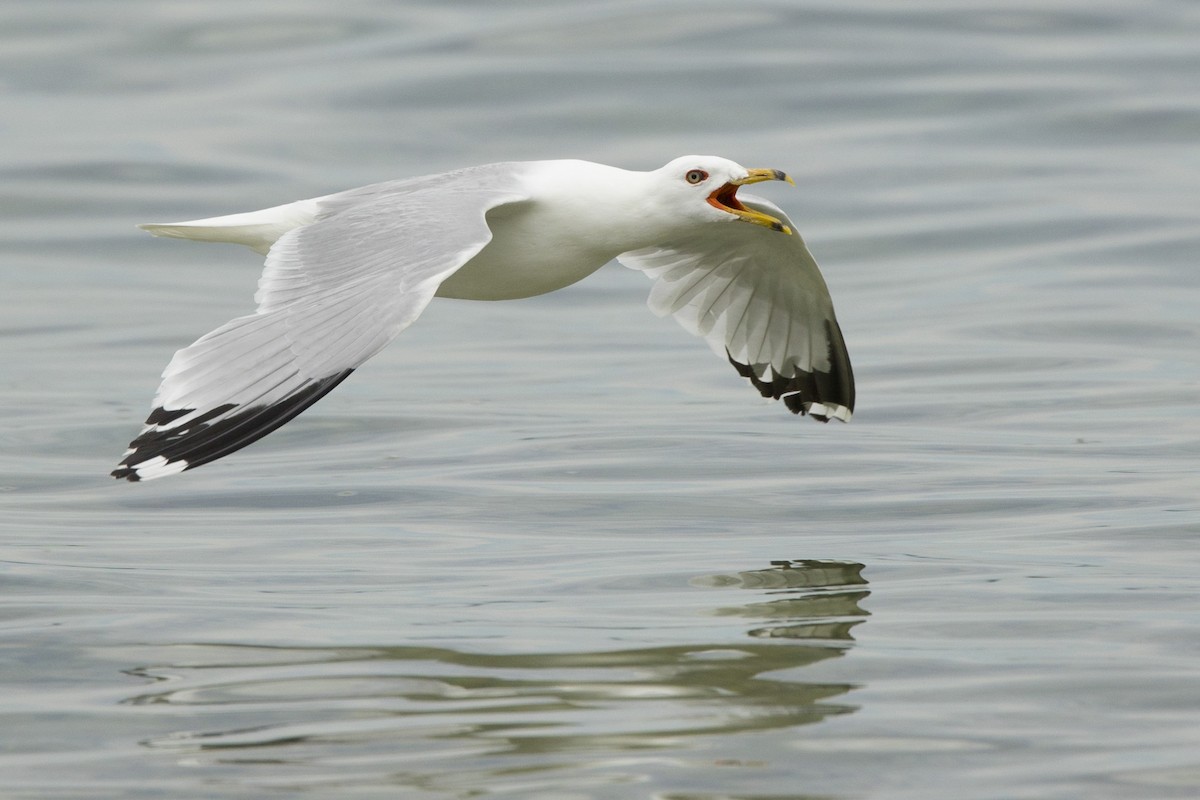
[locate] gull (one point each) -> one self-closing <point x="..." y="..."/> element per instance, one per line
<point x="346" y="273"/>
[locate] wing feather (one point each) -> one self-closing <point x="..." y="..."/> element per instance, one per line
<point x="757" y="297"/>
<point x="332" y="294"/>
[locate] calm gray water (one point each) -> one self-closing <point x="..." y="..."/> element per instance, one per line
<point x="553" y="549"/>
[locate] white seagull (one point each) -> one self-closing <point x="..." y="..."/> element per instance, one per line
<point x="347" y="272"/>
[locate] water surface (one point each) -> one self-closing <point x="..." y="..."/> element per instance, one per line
<point x="553" y="548"/>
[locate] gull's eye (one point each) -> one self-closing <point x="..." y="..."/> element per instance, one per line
<point x="696" y="176"/>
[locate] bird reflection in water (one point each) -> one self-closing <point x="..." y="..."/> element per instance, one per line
<point x="456" y="718"/>
<point x="819" y="600"/>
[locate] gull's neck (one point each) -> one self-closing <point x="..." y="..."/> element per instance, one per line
<point x="612" y="209"/>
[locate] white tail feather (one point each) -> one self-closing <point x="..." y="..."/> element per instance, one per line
<point x="257" y="230"/>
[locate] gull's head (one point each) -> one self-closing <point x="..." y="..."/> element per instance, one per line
<point x="706" y="186"/>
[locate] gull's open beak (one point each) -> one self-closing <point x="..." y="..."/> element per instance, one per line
<point x="725" y="199"/>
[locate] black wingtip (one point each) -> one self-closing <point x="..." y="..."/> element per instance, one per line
<point x="212" y="435"/>
<point x="126" y="473"/>
<point x="817" y="394"/>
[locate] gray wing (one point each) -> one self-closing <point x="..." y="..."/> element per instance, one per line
<point x="333" y="293"/>
<point x="758" y="298"/>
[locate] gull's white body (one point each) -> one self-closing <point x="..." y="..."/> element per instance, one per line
<point x="345" y="273"/>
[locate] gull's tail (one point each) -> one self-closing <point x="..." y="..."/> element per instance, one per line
<point x="257" y="230"/>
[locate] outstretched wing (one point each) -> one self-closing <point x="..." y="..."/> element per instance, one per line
<point x="333" y="293"/>
<point x="758" y="298"/>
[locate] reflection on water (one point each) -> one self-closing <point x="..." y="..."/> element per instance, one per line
<point x="391" y="707"/>
<point x="826" y="615"/>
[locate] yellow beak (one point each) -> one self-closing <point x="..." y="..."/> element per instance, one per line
<point x="725" y="199"/>
<point x="760" y="175"/>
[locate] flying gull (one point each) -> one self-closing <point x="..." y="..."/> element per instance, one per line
<point x="347" y="272"/>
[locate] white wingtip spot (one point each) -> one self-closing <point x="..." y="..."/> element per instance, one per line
<point x="830" y="411"/>
<point x="842" y="413"/>
<point x="158" y="467"/>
